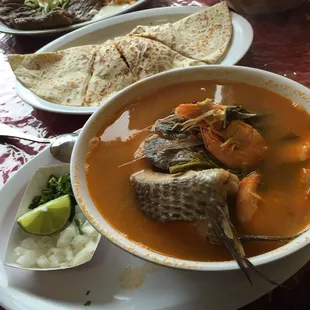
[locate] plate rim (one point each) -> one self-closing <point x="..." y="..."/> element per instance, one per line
<point x="30" y="98"/>
<point x="7" y="291"/>
<point x="43" y="32"/>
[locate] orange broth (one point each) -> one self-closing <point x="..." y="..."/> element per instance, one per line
<point x="284" y="210"/>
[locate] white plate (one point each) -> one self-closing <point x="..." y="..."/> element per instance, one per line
<point x="117" y="26"/>
<point x="119" y="10"/>
<point x="162" y="289"/>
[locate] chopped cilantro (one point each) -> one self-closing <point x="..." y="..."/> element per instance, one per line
<point x="88" y="303"/>
<point x="55" y="187"/>
<point x="78" y="226"/>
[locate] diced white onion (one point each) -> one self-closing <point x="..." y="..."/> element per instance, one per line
<point x="28" y="259"/>
<point x="43" y="262"/>
<point x="20" y="251"/>
<point x="79" y="242"/>
<point x="53" y="261"/>
<point x="29" y="244"/>
<point x="69" y="254"/>
<point x="85" y="254"/>
<point x="60" y="250"/>
<point x="89" y="230"/>
<point x="66" y="236"/>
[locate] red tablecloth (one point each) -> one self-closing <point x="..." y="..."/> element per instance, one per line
<point x="281" y="45"/>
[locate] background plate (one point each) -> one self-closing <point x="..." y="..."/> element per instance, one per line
<point x="5" y="29"/>
<point x="117" y="26"/>
<point x="162" y="288"/>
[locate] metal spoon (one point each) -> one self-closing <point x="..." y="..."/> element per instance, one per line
<point x="60" y="147"/>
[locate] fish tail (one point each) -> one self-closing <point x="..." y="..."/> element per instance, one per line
<point x="232" y="249"/>
<point x="241" y="260"/>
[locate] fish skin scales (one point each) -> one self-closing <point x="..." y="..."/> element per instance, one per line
<point x="190" y="196"/>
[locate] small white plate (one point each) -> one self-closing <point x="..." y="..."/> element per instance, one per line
<point x="120" y="9"/>
<point x="117" y="26"/>
<point x="161" y="288"/>
<point x="34" y="188"/>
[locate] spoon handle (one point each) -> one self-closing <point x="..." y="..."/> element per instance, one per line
<point x="9" y="132"/>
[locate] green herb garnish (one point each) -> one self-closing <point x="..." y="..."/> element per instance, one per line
<point x="290" y="136"/>
<point x="193" y="160"/>
<point x="78" y="226"/>
<point x="45" y="6"/>
<point x="55" y="187"/>
<point x="200" y="159"/>
<point x="88" y="303"/>
<point x="233" y="113"/>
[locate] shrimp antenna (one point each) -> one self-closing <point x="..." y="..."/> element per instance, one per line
<point x="270" y="238"/>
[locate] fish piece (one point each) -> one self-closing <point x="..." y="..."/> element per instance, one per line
<point x="156" y="150"/>
<point x="191" y="196"/>
<point x="170" y="127"/>
<point x="194" y="196"/>
<point x="163" y="153"/>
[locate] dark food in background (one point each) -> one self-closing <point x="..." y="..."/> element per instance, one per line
<point x="15" y="14"/>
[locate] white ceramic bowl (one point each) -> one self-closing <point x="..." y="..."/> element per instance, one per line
<point x="264" y="79"/>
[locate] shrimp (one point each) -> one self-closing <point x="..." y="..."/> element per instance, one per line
<point x="305" y="181"/>
<point x="193" y="110"/>
<point x="247" y="197"/>
<point x="238" y="146"/>
<point x="188" y="110"/>
<point x="210" y="115"/>
<point x="293" y="151"/>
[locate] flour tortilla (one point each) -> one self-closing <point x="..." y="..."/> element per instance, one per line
<point x="60" y="77"/>
<point x="89" y="75"/>
<point x="110" y="75"/>
<point x="146" y="57"/>
<point x="204" y="36"/>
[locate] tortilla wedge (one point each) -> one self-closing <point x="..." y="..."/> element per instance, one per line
<point x="89" y="75"/>
<point x="204" y="36"/>
<point x="61" y="77"/>
<point x="110" y="75"/>
<point x="146" y="57"/>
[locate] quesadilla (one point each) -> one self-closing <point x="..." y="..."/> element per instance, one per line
<point x="61" y="77"/>
<point x="110" y="75"/>
<point x="89" y="75"/>
<point x="204" y="36"/>
<point x="146" y="57"/>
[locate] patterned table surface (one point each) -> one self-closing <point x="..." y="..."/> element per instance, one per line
<point x="281" y="45"/>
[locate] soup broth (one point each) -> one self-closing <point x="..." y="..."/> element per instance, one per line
<point x="284" y="209"/>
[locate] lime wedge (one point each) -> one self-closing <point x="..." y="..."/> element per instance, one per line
<point x="47" y="218"/>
